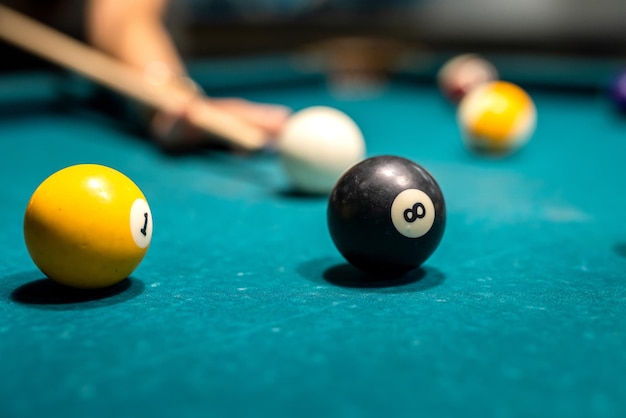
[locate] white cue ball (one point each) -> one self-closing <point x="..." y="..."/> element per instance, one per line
<point x="317" y="145"/>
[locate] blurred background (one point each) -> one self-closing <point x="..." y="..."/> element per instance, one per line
<point x="566" y="26"/>
<point x="559" y="43"/>
<point x="225" y="27"/>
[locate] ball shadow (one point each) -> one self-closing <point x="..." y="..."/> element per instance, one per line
<point x="342" y="274"/>
<point x="44" y="293"/>
<point x="291" y="193"/>
<point x="620" y="249"/>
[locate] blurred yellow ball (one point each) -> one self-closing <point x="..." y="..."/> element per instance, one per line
<point x="497" y="118"/>
<point x="87" y="226"/>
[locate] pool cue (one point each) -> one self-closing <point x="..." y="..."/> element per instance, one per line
<point x="54" y="46"/>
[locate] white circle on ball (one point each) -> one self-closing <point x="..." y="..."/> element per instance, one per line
<point x="317" y="145"/>
<point x="412" y="213"/>
<point x="141" y="223"/>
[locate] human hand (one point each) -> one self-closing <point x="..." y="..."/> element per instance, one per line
<point x="176" y="131"/>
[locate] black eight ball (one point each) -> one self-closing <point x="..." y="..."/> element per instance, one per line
<point x="386" y="215"/>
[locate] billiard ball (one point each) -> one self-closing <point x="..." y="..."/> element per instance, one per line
<point x="463" y="73"/>
<point x="497" y="118"/>
<point x="386" y="215"/>
<point x="618" y="91"/>
<point x="316" y="146"/>
<point x="87" y="226"/>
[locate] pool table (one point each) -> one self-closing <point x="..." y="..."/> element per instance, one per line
<point x="243" y="307"/>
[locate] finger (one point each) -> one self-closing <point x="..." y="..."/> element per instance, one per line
<point x="269" y="117"/>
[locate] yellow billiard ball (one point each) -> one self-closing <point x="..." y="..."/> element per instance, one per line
<point x="497" y="118"/>
<point x="87" y="226"/>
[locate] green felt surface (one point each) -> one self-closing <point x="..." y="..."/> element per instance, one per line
<point x="243" y="307"/>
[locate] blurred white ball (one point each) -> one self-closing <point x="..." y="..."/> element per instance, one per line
<point x="317" y="145"/>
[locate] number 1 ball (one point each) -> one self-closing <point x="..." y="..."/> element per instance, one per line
<point x="87" y="226"/>
<point x="386" y="215"/>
